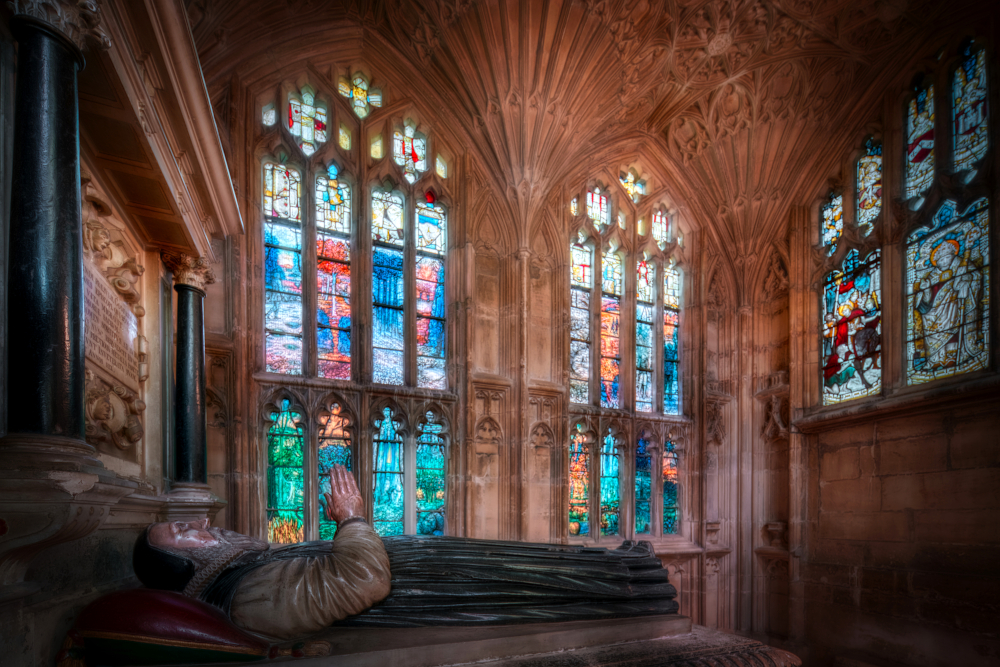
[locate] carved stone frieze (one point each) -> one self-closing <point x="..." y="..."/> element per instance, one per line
<point x="76" y="19"/>
<point x="187" y="270"/>
<point x="113" y="412"/>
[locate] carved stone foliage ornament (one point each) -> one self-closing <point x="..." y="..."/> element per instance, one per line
<point x="192" y="271"/>
<point x="77" y="20"/>
<point x="112" y="413"/>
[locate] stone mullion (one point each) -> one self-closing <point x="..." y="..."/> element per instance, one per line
<point x="658" y="377"/>
<point x="310" y="301"/>
<point x="596" y="293"/>
<point x="410" y="292"/>
<point x="626" y="334"/>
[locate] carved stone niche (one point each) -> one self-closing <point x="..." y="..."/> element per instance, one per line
<point x="113" y="415"/>
<point x="773" y="392"/>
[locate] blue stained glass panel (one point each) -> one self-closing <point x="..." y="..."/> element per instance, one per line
<point x="334" y="449"/>
<point x="969" y="109"/>
<point x="432" y="230"/>
<point x="387" y="278"/>
<point x="387" y="316"/>
<point x="643" y="488"/>
<point x="609" y="487"/>
<point x="671" y="503"/>
<point x="671" y="341"/>
<point x="283" y="353"/>
<point x="387" y="482"/>
<point x="430" y="479"/>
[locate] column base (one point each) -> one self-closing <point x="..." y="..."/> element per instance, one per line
<point x="191" y="501"/>
<point x="36" y="450"/>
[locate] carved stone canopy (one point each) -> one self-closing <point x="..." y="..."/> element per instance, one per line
<point x="187" y="270"/>
<point x="76" y="19"/>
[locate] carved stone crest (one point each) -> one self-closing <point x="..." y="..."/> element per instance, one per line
<point x="112" y="412"/>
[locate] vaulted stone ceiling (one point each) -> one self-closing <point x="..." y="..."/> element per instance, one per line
<point x="733" y="106"/>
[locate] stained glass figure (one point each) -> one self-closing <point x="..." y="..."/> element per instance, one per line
<point x="357" y="91"/>
<point x="920" y="142"/>
<point x="609" y="487"/>
<point x="574" y="207"/>
<point x="579" y="485"/>
<point x="333" y="276"/>
<point x="307" y="119"/>
<point x="832" y="222"/>
<point x="643" y="487"/>
<point x="441" y="167"/>
<point x="671" y="501"/>
<point x="430" y="485"/>
<point x="387" y="218"/>
<point x="611" y="288"/>
<point x="634" y="187"/>
<point x="869" y="183"/>
<point x="581" y="281"/>
<point x="645" y="314"/>
<point x="388" y="292"/>
<point x="282" y="270"/>
<point x="671" y="340"/>
<point x="376" y="149"/>
<point x="432" y="242"/>
<point x="269" y="115"/>
<point x="660" y="228"/>
<point x="334" y="449"/>
<point x="285" y="483"/>
<point x="387" y="480"/>
<point x="598" y="209"/>
<point x="852" y="329"/>
<point x="409" y="149"/>
<point x="345" y="138"/>
<point x="948" y="279"/>
<point x="969" y="108"/>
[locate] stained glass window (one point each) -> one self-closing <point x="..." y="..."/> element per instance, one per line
<point x="574" y="207"/>
<point x="345" y="138"/>
<point x="671" y="340"/>
<point x="581" y="281"/>
<point x="832" y="222"/>
<point x="387" y="289"/>
<point x="609" y="487"/>
<point x="430" y="494"/>
<point x="579" y="485"/>
<point x="947" y="278"/>
<point x="635" y="188"/>
<point x="598" y="208"/>
<point x="969" y="108"/>
<point x="285" y="492"/>
<point x="388" y="486"/>
<point x="333" y="276"/>
<point x="307" y="120"/>
<point x="441" y="167"/>
<point x="643" y="487"/>
<point x="357" y="91"/>
<point x="432" y="242"/>
<point x="645" y="315"/>
<point x="920" y="142"/>
<point x="660" y="228"/>
<point x="671" y="501"/>
<point x="852" y="329"/>
<point x="611" y="290"/>
<point x="869" y="183"/>
<point x="334" y="449"/>
<point x="282" y="270"/>
<point x="268" y="115"/>
<point x="409" y="149"/>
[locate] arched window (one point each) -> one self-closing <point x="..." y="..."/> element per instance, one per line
<point x="581" y="286"/>
<point x="610" y="495"/>
<point x="671" y="496"/>
<point x="307" y="119"/>
<point x="431" y="493"/>
<point x="282" y="269"/>
<point x="868" y="196"/>
<point x="645" y="317"/>
<point x="671" y="340"/>
<point x="388" y="289"/>
<point x="643" y="488"/>
<point x="432" y="243"/>
<point x="969" y="108"/>
<point x="832" y="213"/>
<point x="334" y="448"/>
<point x="285" y="480"/>
<point x="919" y="160"/>
<point x="333" y="276"/>
<point x="599" y="208"/>
<point x="388" y="481"/>
<point x="611" y="292"/>
<point x="579" y="483"/>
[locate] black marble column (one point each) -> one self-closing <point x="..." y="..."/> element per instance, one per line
<point x="45" y="370"/>
<point x="191" y="447"/>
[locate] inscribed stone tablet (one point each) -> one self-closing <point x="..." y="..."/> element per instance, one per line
<point x="110" y="329"/>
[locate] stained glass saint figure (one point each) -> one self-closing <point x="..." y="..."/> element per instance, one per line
<point x="869" y="184"/>
<point x="920" y="142"/>
<point x="969" y="108"/>
<point x="609" y="487"/>
<point x="660" y="228"/>
<point x="598" y="208"/>
<point x="579" y="485"/>
<point x="832" y="222"/>
<point x="388" y="498"/>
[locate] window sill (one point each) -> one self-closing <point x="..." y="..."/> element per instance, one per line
<point x="300" y="381"/>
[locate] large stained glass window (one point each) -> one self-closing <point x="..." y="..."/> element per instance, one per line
<point x="920" y="142"/>
<point x="307" y="119"/>
<point x="388" y="292"/>
<point x="645" y="317"/>
<point x="969" y="108"/>
<point x="579" y="485"/>
<point x="869" y="184"/>
<point x="581" y="283"/>
<point x="611" y="291"/>
<point x="609" y="487"/>
<point x="282" y="269"/>
<point x="671" y="501"/>
<point x="432" y="243"/>
<point x="671" y="340"/>
<point x="333" y="276"/>
<point x="334" y="449"/>
<point x="361" y="96"/>
<point x="643" y="487"/>
<point x="409" y="149"/>
<point x="285" y="491"/>
<point x="598" y="208"/>
<point x="947" y="278"/>
<point x="388" y="485"/>
<point x="852" y="329"/>
<point x="430" y="494"/>
<point x="660" y="228"/>
<point x="832" y="222"/>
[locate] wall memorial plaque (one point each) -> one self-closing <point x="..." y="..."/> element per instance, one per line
<point x="111" y="329"/>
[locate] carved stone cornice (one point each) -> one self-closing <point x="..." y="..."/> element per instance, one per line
<point x="76" y="20"/>
<point x="192" y="271"/>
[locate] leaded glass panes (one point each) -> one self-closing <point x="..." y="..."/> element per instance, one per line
<point x="969" y="109"/>
<point x="357" y="91"/>
<point x="660" y="228"/>
<point x="430" y="493"/>
<point x="920" y="142"/>
<point x="947" y="278"/>
<point x="282" y="270"/>
<point x="643" y="487"/>
<point x="334" y="449"/>
<point x="671" y="340"/>
<point x="869" y="184"/>
<point x="376" y="147"/>
<point x="409" y="149"/>
<point x="579" y="485"/>
<point x="581" y="280"/>
<point x="269" y="115"/>
<point x="333" y="276"/>
<point x="598" y="208"/>
<point x="832" y="222"/>
<point x="574" y="207"/>
<point x="609" y="487"/>
<point x="634" y="187"/>
<point x="307" y="120"/>
<point x="432" y="240"/>
<point x="671" y="501"/>
<point x="852" y="329"/>
<point x="387" y="482"/>
<point x="285" y="490"/>
<point x="387" y="218"/>
<point x="611" y="288"/>
<point x="645" y="314"/>
<point x="345" y="138"/>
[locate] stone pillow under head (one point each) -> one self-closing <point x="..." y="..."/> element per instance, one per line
<point x="150" y="627"/>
